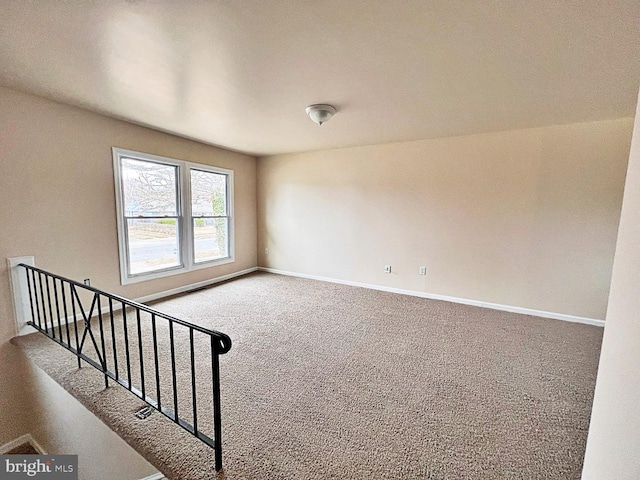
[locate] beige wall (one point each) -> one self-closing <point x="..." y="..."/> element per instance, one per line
<point x="526" y="218"/>
<point x="32" y="402"/>
<point x="57" y="194"/>
<point x="613" y="445"/>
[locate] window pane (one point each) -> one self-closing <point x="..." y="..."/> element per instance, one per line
<point x="149" y="188"/>
<point x="210" y="239"/>
<point x="208" y="193"/>
<point x="153" y="244"/>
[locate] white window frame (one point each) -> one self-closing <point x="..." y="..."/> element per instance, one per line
<point x="185" y="219"/>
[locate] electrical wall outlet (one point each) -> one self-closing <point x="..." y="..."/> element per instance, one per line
<point x="387" y="269"/>
<point x="422" y="271"/>
<point x="266" y="250"/>
<point x="87" y="281"/>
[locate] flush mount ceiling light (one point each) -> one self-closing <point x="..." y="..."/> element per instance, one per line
<point x="320" y="113"/>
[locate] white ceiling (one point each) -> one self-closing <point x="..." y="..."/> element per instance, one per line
<point x="239" y="73"/>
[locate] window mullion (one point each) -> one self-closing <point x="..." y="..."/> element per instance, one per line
<point x="187" y="221"/>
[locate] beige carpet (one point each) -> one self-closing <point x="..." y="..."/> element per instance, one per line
<point x="331" y="381"/>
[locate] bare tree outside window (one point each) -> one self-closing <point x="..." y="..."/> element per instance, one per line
<point x="151" y="209"/>
<point x="149" y="188"/>
<point x="210" y="215"/>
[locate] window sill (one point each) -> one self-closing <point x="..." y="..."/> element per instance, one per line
<point x="169" y="272"/>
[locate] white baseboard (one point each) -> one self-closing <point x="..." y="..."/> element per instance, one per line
<point x="194" y="286"/>
<point x="19" y="294"/>
<point x="19" y="441"/>
<point x="433" y="296"/>
<point x="155" y="476"/>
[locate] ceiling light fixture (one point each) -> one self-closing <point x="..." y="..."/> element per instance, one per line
<point x="320" y="113"/>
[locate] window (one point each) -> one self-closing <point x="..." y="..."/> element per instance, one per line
<point x="173" y="216"/>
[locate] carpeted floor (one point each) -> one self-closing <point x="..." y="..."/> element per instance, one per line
<point x="332" y="381"/>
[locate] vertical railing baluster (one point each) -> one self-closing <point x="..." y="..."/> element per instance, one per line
<point x="44" y="309"/>
<point x="55" y="294"/>
<point x="141" y="353"/>
<point x="113" y="339"/>
<point x="217" y="422"/>
<point x="66" y="313"/>
<point x="35" y="296"/>
<point x="193" y="383"/>
<point x="155" y="358"/>
<point x="126" y="343"/>
<point x="173" y="372"/>
<point x="53" y="327"/>
<point x="104" y="350"/>
<point x="33" y="317"/>
<point x="72" y="292"/>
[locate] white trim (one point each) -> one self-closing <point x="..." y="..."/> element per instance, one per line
<point x="446" y="298"/>
<point x="155" y="476"/>
<point x="19" y="292"/>
<point x="19" y="441"/>
<point x="194" y="286"/>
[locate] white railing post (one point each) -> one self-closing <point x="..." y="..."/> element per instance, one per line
<point x="20" y="292"/>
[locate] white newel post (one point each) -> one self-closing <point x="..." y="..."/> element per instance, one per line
<point x="20" y="292"/>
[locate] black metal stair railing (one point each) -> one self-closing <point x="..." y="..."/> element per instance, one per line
<point x="131" y="342"/>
